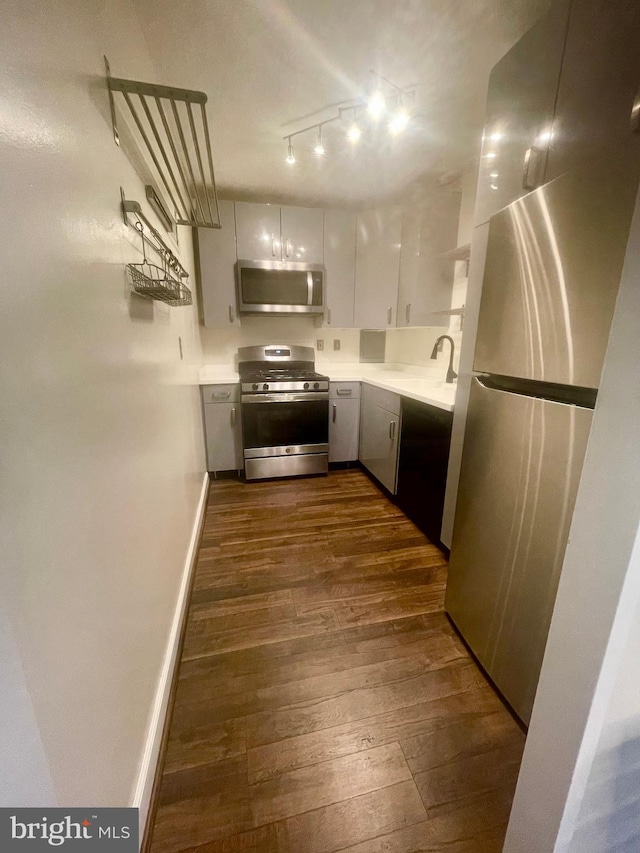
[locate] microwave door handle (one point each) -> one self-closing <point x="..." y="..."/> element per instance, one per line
<point x="309" y="288"/>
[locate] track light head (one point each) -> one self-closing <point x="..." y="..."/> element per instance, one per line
<point x="376" y="104"/>
<point x="319" y="147"/>
<point x="399" y="121"/>
<point x="291" y="159"/>
<point x="354" y="133"/>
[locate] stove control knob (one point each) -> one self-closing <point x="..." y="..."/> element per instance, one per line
<point x="316" y="385"/>
<point x="255" y="386"/>
<point x="265" y="387"/>
<point x="306" y="386"/>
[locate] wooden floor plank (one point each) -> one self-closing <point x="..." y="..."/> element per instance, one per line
<point x="459" y="710"/>
<point x="197" y="683"/>
<point x="443" y="787"/>
<point x="307" y="788"/>
<point x="203" y="638"/>
<point x="351" y="821"/>
<point x="463" y="740"/>
<point x="212" y="740"/>
<point x="264" y="839"/>
<point x="324" y="701"/>
<point x="270" y="726"/>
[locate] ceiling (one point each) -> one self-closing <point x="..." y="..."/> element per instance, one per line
<point x="269" y="66"/>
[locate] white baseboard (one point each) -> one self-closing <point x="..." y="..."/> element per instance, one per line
<point x="141" y="798"/>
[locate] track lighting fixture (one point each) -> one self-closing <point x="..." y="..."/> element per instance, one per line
<point x="384" y="96"/>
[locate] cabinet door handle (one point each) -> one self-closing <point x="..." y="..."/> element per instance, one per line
<point x="335" y="410"/>
<point x="233" y="417"/>
<point x="221" y="395"/>
<point x="408" y="313"/>
<point x="273" y="246"/>
<point x="328" y="316"/>
<point x="392" y="430"/>
<point x="344" y="392"/>
<point x="389" y="315"/>
<point x="530" y="172"/>
<point x="288" y="247"/>
<point x="231" y="314"/>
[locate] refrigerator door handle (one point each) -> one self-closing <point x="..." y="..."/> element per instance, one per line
<point x="572" y="395"/>
<point x="531" y="169"/>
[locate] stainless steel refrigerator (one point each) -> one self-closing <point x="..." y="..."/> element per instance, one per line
<point x="551" y="277"/>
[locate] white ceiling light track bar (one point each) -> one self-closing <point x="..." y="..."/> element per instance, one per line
<point x="171" y="126"/>
<point x="385" y="100"/>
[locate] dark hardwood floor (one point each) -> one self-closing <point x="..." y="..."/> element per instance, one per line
<point x="324" y="701"/>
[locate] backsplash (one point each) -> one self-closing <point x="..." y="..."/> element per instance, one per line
<point x="414" y="346"/>
<point x="411" y="346"/>
<point x="220" y="346"/>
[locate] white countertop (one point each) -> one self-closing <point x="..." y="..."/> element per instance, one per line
<point x="407" y="381"/>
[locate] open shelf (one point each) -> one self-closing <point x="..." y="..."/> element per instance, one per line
<point x="460" y="253"/>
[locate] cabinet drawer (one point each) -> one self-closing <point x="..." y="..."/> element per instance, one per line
<point x="380" y="397"/>
<point x="221" y="393"/>
<point x="346" y="390"/>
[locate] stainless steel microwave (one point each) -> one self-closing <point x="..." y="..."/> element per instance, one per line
<point x="280" y="287"/>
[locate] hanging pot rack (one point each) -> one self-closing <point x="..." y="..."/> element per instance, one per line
<point x="173" y="128"/>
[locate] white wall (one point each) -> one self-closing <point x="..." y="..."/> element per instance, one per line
<point x="102" y="454"/>
<point x="220" y="346"/>
<point x="608" y="819"/>
<point x="579" y="785"/>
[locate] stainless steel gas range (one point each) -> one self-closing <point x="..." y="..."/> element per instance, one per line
<point x="285" y="412"/>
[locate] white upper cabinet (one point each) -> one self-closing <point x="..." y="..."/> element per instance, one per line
<point x="591" y="127"/>
<point x="258" y="232"/>
<point x="377" y="267"/>
<point x="340" y="263"/>
<point x="217" y="250"/>
<point x="520" y="110"/>
<point x="266" y="232"/>
<point x="426" y="278"/>
<point x="301" y="230"/>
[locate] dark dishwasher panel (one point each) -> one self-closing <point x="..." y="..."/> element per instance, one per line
<point x="422" y="470"/>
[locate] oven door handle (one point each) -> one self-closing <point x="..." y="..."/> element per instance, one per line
<point x="285" y="397"/>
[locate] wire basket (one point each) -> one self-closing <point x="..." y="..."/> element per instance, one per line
<point x="155" y="283"/>
<point x="185" y="297"/>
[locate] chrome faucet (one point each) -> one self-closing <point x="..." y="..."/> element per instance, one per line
<point x="437" y="347"/>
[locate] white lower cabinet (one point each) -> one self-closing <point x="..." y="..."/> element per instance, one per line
<point x="223" y="428"/>
<point x="344" y="421"/>
<point x="380" y="434"/>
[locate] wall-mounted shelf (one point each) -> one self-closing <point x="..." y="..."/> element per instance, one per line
<point x="460" y="253"/>
<point x="171" y="125"/>
<point x="452" y="312"/>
